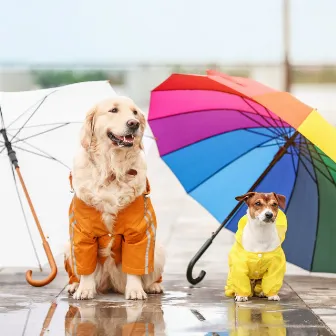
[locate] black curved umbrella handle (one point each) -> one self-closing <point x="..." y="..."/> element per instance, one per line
<point x="194" y="260"/>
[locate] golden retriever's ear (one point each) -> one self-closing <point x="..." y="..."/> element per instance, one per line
<point x="88" y="129"/>
<point x="142" y="119"/>
<point x="246" y="197"/>
<point x="281" y="200"/>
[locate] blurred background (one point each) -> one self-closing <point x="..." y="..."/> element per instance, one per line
<point x="288" y="45"/>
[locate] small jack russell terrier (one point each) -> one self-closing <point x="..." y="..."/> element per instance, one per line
<point x="257" y="262"/>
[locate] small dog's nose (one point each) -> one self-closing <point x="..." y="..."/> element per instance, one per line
<point x="269" y="215"/>
<point x="133" y="124"/>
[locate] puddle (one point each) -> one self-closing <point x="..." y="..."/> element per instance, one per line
<point x="158" y="316"/>
<point x="177" y="312"/>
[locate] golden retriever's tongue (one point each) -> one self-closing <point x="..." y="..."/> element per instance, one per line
<point x="119" y="137"/>
<point x="123" y="138"/>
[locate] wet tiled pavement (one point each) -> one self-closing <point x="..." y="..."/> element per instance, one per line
<point x="183" y="227"/>
<point x="182" y="310"/>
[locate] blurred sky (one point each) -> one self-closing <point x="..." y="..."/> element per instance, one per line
<point x="158" y="31"/>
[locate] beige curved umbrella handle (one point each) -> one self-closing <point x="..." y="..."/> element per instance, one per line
<point x="51" y="260"/>
<point x="53" y="267"/>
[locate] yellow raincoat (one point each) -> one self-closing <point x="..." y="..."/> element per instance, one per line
<point x="244" y="266"/>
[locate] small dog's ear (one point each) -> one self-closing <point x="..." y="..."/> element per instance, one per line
<point x="281" y="200"/>
<point x="88" y="129"/>
<point x="245" y="197"/>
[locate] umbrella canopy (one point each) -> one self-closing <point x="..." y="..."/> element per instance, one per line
<point x="219" y="134"/>
<point x="43" y="127"/>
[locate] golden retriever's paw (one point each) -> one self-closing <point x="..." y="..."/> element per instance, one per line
<point x="71" y="288"/>
<point x="274" y="298"/>
<point x="134" y="289"/>
<point x="134" y="312"/>
<point x="241" y="298"/>
<point x="155" y="288"/>
<point x="84" y="294"/>
<point x="135" y="294"/>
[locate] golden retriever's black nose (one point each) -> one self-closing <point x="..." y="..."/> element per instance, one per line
<point x="133" y="124"/>
<point x="269" y="215"/>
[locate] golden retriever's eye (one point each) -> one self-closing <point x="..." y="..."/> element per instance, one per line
<point x="257" y="203"/>
<point x="135" y="112"/>
<point x="114" y="110"/>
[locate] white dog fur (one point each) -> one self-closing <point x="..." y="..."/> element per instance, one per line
<point x="96" y="161"/>
<point x="259" y="236"/>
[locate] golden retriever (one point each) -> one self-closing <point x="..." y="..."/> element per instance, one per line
<point x="111" y="146"/>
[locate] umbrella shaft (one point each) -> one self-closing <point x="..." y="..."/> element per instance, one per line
<point x="281" y="152"/>
<point x="10" y="151"/>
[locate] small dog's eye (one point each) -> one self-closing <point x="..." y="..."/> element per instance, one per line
<point x="274" y="205"/>
<point x="258" y="204"/>
<point x="114" y="110"/>
<point x="135" y="112"/>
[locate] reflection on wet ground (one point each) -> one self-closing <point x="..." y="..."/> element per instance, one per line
<point x="182" y="310"/>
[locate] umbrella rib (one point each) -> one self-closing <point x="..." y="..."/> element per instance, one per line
<point x="47" y="124"/>
<point x="275" y="120"/>
<point x="39" y="105"/>
<point x="318" y="200"/>
<point x="255" y="132"/>
<point x="309" y="144"/>
<point x="304" y="164"/>
<point x="23" y="113"/>
<point x="296" y="171"/>
<point x="217" y="109"/>
<point x="47" y="155"/>
<point x="292" y="155"/>
<point x="319" y="159"/>
<point x="41" y="155"/>
<point x="261" y="125"/>
<point x="316" y="168"/>
<point x="44" y="132"/>
<point x="327" y="167"/>
<point x="25" y="218"/>
<point x="277" y="135"/>
<point x="255" y="110"/>
<point x="216" y="135"/>
<point x="273" y="145"/>
<point x="226" y="165"/>
<point x="32" y="152"/>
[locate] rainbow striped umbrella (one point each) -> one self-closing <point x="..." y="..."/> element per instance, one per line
<point x="223" y="136"/>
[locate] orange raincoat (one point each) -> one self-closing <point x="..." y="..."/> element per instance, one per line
<point x="134" y="234"/>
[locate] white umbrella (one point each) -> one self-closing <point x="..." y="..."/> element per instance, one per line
<point x="42" y="127"/>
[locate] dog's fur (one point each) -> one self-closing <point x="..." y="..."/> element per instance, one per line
<point x="109" y="149"/>
<point x="260" y="233"/>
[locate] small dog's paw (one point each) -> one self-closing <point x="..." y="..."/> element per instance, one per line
<point x="241" y="298"/>
<point x="135" y="293"/>
<point x="274" y="298"/>
<point x="71" y="288"/>
<point x="261" y="295"/>
<point x="84" y="293"/>
<point x="155" y="288"/>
